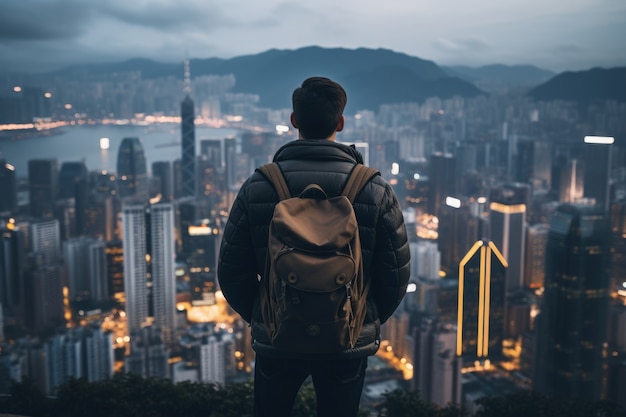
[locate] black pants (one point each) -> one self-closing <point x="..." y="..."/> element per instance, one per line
<point x="338" y="385"/>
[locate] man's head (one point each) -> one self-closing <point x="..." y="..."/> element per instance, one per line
<point x="318" y="108"/>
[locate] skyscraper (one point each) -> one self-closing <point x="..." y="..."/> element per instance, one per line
<point x="572" y="324"/>
<point x="43" y="179"/>
<point x="132" y="173"/>
<point x="8" y="186"/>
<point x="458" y="229"/>
<point x="135" y="266"/>
<point x="12" y="271"/>
<point x="212" y="359"/>
<point x="444" y="180"/>
<point x="69" y="175"/>
<point x="188" y="130"/>
<point x="163" y="268"/>
<point x="507" y="220"/>
<point x="162" y="170"/>
<point x="86" y="266"/>
<point x="535" y="263"/>
<point x="149" y="250"/>
<point x="571" y="182"/>
<point x="481" y="298"/>
<point x="598" y="169"/>
<point x="437" y="370"/>
<point x="534" y="164"/>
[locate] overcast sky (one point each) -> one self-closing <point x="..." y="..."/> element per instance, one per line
<point x="559" y="35"/>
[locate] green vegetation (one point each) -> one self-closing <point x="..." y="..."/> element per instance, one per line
<point x="129" y="395"/>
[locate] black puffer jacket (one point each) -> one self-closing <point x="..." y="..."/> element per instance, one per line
<point x="381" y="226"/>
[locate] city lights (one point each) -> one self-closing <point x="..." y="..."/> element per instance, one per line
<point x="104" y="144"/>
<point x="280" y="129"/>
<point x="453" y="202"/>
<point x="600" y="140"/>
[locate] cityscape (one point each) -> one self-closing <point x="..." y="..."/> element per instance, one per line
<point x="515" y="209"/>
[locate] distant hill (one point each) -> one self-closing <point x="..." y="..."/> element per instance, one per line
<point x="584" y="86"/>
<point x="371" y="76"/>
<point x="502" y="78"/>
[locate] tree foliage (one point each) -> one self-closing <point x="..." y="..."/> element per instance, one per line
<point x="530" y="403"/>
<point x="404" y="403"/>
<point x="130" y="395"/>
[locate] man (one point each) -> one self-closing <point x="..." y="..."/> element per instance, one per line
<point x="315" y="157"/>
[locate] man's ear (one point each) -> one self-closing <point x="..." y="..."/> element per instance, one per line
<point x="340" y="124"/>
<point x="293" y="120"/>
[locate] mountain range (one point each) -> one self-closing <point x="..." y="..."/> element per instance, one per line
<point x="371" y="76"/>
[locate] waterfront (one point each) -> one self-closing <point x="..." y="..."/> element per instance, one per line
<point x="161" y="142"/>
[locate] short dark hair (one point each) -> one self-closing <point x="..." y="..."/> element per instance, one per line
<point x="318" y="106"/>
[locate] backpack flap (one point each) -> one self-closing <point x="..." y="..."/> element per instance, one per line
<point x="315" y="225"/>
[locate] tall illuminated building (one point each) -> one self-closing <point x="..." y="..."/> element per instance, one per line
<point x="213" y="150"/>
<point x="135" y="242"/>
<point x="458" y="229"/>
<point x="132" y="175"/>
<point x="162" y="170"/>
<point x="444" y="180"/>
<point x="8" y="186"/>
<point x="480" y="306"/>
<point x="188" y="131"/>
<point x="149" y="251"/>
<point x="507" y="224"/>
<point x="12" y="271"/>
<point x="213" y="359"/>
<point x="598" y="169"/>
<point x="437" y="370"/>
<point x="535" y="253"/>
<point x="43" y="281"/>
<point x="43" y="185"/>
<point x="115" y="268"/>
<point x="163" y="269"/>
<point x="534" y="164"/>
<point x="571" y="183"/>
<point x="203" y="246"/>
<point x="85" y="262"/>
<point x="69" y="175"/>
<point x="572" y="325"/>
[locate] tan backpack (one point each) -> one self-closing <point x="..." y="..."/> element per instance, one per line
<point x="313" y="294"/>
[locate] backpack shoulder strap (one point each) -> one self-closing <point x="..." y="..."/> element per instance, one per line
<point x="275" y="176"/>
<point x="357" y="179"/>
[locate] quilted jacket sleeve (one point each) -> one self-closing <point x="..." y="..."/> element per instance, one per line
<point x="236" y="267"/>
<point x="391" y="258"/>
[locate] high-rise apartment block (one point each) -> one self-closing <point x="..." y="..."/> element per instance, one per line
<point x="572" y="326"/>
<point x="436" y="368"/>
<point x="86" y="266"/>
<point x="135" y="242"/>
<point x="149" y="251"/>
<point x="162" y="256"/>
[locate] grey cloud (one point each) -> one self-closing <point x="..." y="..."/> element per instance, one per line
<point x="567" y="49"/>
<point x="460" y="45"/>
<point x="167" y="16"/>
<point x="29" y="20"/>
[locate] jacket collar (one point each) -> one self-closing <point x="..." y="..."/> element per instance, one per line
<point x="318" y="149"/>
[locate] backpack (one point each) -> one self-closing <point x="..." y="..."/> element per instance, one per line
<point x="313" y="293"/>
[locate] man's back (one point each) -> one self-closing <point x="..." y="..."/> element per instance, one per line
<point x="383" y="238"/>
<point x="338" y="377"/>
